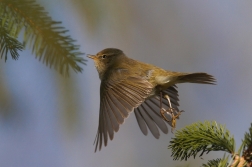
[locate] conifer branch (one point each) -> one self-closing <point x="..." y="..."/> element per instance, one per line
<point x="46" y="37"/>
<point x="247" y="148"/>
<point x="201" y="137"/>
<point x="217" y="163"/>
<point x="8" y="44"/>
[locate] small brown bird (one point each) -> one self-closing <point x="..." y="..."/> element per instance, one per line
<point x="128" y="85"/>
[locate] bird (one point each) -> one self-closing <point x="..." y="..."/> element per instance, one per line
<point x="129" y="85"/>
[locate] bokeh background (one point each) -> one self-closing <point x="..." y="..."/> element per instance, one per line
<point x="48" y="120"/>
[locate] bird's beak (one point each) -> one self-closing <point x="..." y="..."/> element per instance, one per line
<point x="91" y="56"/>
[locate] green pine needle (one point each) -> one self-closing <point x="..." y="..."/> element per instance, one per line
<point x="247" y="148"/>
<point x="8" y="44"/>
<point x="213" y="163"/>
<point x="201" y="138"/>
<point x="46" y="37"/>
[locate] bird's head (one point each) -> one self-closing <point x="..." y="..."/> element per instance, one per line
<point x="105" y="59"/>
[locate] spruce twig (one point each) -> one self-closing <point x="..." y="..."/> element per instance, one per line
<point x="201" y="138"/>
<point x="247" y="148"/>
<point x="46" y="37"/>
<point x="8" y="44"/>
<point x="217" y="162"/>
<point x="210" y="136"/>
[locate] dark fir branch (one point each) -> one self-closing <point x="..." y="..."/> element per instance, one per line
<point x="217" y="163"/>
<point x="46" y="37"/>
<point x="8" y="44"/>
<point x="247" y="148"/>
<point x="200" y="138"/>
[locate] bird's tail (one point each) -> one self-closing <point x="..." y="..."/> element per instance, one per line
<point x="202" y="78"/>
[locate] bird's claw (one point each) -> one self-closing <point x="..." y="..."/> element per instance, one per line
<point x="174" y="113"/>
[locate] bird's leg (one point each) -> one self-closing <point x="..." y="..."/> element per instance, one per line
<point x="171" y="111"/>
<point x="168" y="99"/>
<point x="162" y="110"/>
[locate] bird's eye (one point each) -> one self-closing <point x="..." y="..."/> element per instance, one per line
<point x="104" y="56"/>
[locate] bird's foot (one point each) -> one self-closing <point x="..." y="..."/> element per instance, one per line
<point x="173" y="113"/>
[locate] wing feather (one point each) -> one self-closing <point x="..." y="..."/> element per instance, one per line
<point x="117" y="99"/>
<point x="149" y="121"/>
<point x="141" y="121"/>
<point x="123" y="110"/>
<point x="152" y="108"/>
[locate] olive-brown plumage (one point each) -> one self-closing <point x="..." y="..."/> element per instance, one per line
<point x="128" y="85"/>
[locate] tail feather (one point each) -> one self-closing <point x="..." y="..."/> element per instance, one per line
<point x="202" y="78"/>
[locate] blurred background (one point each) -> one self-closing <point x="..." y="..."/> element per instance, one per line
<point x="48" y="120"/>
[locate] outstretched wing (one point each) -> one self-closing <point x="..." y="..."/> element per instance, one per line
<point x="117" y="99"/>
<point x="148" y="113"/>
